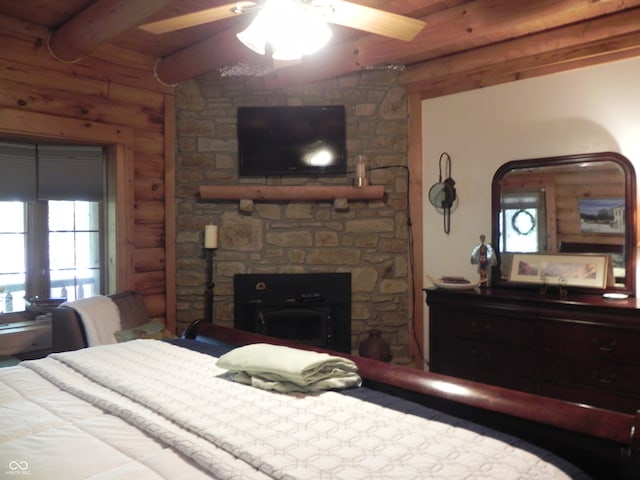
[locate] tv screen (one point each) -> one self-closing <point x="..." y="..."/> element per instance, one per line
<point x="304" y="140"/>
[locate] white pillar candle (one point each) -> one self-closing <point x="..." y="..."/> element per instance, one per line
<point x="361" y="172"/>
<point x="211" y="236"/>
<point x="361" y="167"/>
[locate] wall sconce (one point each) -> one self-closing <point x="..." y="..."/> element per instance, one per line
<point x="210" y="246"/>
<point x="442" y="195"/>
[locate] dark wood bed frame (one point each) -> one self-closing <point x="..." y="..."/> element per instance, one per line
<point x="606" y="444"/>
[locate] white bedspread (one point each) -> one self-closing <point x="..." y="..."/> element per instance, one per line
<point x="235" y="431"/>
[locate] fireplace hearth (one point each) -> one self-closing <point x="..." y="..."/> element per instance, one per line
<point x="310" y="308"/>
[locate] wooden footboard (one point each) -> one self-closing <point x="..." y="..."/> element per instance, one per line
<point x="604" y="443"/>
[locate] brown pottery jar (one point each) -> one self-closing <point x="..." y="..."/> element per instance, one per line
<point x="375" y="347"/>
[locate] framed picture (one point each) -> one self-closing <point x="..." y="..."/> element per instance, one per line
<point x="577" y="270"/>
<point x="602" y="215"/>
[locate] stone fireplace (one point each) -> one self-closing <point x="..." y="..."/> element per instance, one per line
<point x="369" y="239"/>
<point x="310" y="308"/>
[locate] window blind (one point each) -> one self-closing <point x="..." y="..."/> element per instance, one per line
<point x="17" y="172"/>
<point x="70" y="173"/>
<point x="51" y="172"/>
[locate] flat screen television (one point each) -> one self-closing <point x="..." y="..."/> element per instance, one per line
<point x="301" y="140"/>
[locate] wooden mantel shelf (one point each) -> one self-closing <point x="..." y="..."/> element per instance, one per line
<point x="279" y="192"/>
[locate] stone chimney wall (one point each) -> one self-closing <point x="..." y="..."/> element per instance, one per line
<point x="370" y="239"/>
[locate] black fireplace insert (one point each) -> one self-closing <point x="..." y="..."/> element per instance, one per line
<point x="310" y="308"/>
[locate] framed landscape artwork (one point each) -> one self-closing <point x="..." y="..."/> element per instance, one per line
<point x="602" y="215"/>
<point x="584" y="270"/>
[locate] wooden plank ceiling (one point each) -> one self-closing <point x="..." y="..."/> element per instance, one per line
<point x="464" y="45"/>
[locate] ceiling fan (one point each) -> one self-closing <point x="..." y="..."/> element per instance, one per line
<point x="339" y="12"/>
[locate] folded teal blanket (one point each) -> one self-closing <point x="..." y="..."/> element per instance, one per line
<point x="286" y="369"/>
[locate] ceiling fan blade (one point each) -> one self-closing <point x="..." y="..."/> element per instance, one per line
<point x="371" y="20"/>
<point x="198" y="18"/>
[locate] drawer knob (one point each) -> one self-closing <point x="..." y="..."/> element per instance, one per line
<point x="480" y="327"/>
<point x="477" y="355"/>
<point x="605" y="379"/>
<point x="605" y="347"/>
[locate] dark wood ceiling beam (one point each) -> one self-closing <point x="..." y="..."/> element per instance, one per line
<point x="593" y="41"/>
<point x="99" y="23"/>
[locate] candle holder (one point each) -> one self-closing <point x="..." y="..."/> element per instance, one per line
<point x="210" y="245"/>
<point x="208" y="294"/>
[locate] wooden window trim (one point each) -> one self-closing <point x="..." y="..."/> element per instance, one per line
<point x="118" y="142"/>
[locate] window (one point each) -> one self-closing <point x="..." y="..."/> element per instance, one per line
<point x="520" y="230"/>
<point x="50" y="223"/>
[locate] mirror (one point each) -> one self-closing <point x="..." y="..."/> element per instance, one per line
<point x="571" y="204"/>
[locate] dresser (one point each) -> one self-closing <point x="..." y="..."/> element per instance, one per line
<point x="580" y="348"/>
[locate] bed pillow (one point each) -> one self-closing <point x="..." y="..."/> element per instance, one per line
<point x="154" y="329"/>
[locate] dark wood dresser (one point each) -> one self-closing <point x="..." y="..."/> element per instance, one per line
<point x="581" y="348"/>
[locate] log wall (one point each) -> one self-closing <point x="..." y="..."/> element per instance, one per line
<point x="111" y="98"/>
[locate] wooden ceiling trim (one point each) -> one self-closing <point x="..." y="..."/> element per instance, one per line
<point x="582" y="62"/>
<point x="99" y="23"/>
<point x="600" y="29"/>
<point x="479" y="23"/>
<point x="522" y="69"/>
<point x="602" y="39"/>
<point x="494" y="76"/>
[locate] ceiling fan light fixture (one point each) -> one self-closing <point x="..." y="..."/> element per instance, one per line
<point x="287" y="53"/>
<point x="253" y="38"/>
<point x="316" y="34"/>
<point x="290" y="30"/>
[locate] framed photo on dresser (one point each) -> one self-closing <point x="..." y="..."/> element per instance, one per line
<point x="577" y="270"/>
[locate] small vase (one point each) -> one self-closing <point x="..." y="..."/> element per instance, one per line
<point x="375" y="347"/>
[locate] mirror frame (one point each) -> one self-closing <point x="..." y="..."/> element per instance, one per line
<point x="629" y="286"/>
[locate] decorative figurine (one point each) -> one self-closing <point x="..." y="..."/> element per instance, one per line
<point x="483" y="256"/>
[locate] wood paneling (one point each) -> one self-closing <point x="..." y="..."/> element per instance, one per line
<point x="110" y="98"/>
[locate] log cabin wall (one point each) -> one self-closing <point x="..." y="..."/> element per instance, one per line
<point x="110" y="98"/>
<point x="370" y="239"/>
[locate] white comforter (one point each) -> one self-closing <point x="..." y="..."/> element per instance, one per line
<point x="156" y="394"/>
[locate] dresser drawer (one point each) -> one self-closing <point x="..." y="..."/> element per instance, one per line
<point x="481" y="326"/>
<point x="479" y="356"/>
<point x="600" y="340"/>
<point x="590" y="371"/>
